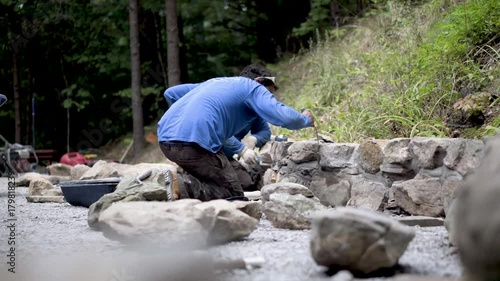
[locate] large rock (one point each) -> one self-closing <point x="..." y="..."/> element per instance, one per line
<point x="169" y="224"/>
<point x="368" y="194"/>
<point x="59" y="169"/>
<point x="42" y="191"/>
<point x="78" y="171"/>
<point x="135" y="170"/>
<point x="251" y="208"/>
<point x="291" y="211"/>
<point x="40" y="187"/>
<point x="186" y="223"/>
<point x="330" y="189"/>
<point x="371" y="154"/>
<point x="100" y="170"/>
<point x="396" y="151"/>
<point x="304" y="151"/>
<point x="25" y="179"/>
<point x="422" y="196"/>
<point x="230" y="223"/>
<point x="278" y="151"/>
<point x="476" y="218"/>
<point x="152" y="189"/>
<point x="338" y="155"/>
<point x="358" y="239"/>
<point x="457" y="154"/>
<point x="297" y="173"/>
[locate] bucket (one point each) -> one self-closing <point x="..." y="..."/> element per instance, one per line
<point x="86" y="192"/>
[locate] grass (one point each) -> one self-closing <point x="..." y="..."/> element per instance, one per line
<point x="397" y="72"/>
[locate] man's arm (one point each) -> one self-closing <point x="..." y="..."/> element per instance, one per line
<point x="174" y="93"/>
<point x="261" y="131"/>
<point x="271" y="110"/>
<point x="232" y="146"/>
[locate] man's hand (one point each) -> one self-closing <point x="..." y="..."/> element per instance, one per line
<point x="248" y="158"/>
<point x="249" y="141"/>
<point x="309" y="115"/>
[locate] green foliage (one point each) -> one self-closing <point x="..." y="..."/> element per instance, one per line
<point x="473" y="104"/>
<point x="399" y="72"/>
<point x="77" y="98"/>
<point x="319" y="19"/>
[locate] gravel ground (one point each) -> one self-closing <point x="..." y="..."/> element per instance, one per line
<point x="44" y="231"/>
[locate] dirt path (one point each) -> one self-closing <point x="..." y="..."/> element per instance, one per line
<point x="44" y="231"/>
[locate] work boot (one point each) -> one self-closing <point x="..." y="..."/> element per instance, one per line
<point x="171" y="186"/>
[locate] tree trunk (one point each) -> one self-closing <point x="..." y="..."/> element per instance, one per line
<point x="159" y="51"/>
<point x="174" y="71"/>
<point x="335" y="13"/>
<point x="359" y="8"/>
<point x="138" y="126"/>
<point x="27" y="121"/>
<point x="17" y="96"/>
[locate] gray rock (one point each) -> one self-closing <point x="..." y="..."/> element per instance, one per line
<point x="343" y="275"/>
<point x="230" y="224"/>
<point x="429" y="153"/>
<point x="284" y="187"/>
<point x="177" y="224"/>
<point x="152" y="189"/>
<point x="298" y="173"/>
<point x="457" y="154"/>
<point x="358" y="239"/>
<point x="337" y="155"/>
<point x="450" y="188"/>
<point x="55" y="191"/>
<point x="78" y="171"/>
<point x="45" y="199"/>
<point x="38" y="186"/>
<point x="182" y="223"/>
<point x="396" y="151"/>
<point x="471" y="157"/>
<point x="269" y="177"/>
<point x="423" y="197"/>
<point x="303" y="152"/>
<point x="330" y="189"/>
<point x="101" y="169"/>
<point x="395" y="169"/>
<point x="476" y="221"/>
<point x="251" y="208"/>
<point x="450" y="222"/>
<point x="25" y="179"/>
<point x="368" y="194"/>
<point x="421" y="221"/>
<point x="137" y="169"/>
<point x="59" y="169"/>
<point x="279" y="150"/>
<point x="265" y="153"/>
<point x="291" y="211"/>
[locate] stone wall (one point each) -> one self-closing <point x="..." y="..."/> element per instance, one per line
<point x="418" y="176"/>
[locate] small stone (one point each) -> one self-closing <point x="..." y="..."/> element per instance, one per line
<point x="422" y="221"/>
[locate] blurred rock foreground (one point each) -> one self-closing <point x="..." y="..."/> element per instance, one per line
<point x="361" y="201"/>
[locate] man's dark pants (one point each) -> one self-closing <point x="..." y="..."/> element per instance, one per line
<point x="212" y="176"/>
<point x="250" y="180"/>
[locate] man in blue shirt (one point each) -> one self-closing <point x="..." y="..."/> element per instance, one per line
<point x="196" y="127"/>
<point x="250" y="176"/>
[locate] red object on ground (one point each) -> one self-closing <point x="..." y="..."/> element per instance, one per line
<point x="73" y="158"/>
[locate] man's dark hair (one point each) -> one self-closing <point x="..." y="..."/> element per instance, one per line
<point x="255" y="70"/>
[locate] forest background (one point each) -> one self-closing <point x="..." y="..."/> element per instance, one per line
<point x="81" y="74"/>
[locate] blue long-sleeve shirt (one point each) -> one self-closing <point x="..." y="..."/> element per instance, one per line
<point x="213" y="112"/>
<point x="258" y="128"/>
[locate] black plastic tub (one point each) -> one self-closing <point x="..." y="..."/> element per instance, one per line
<point x="86" y="192"/>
